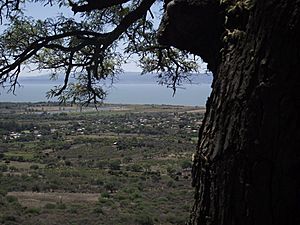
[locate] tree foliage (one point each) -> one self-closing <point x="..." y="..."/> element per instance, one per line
<point x="87" y="49"/>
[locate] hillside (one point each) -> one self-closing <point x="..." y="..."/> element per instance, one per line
<point x="123" y="164"/>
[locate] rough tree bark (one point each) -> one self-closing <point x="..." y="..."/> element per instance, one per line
<point x="248" y="157"/>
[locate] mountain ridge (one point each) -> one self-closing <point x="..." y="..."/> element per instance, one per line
<point x="124" y="78"/>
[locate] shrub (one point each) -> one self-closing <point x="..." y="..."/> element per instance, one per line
<point x="155" y="178"/>
<point x="171" y="170"/>
<point x="136" y="168"/>
<point x="3" y="168"/>
<point x="68" y="163"/>
<point x="35" y="188"/>
<point x="3" y="192"/>
<point x="135" y="195"/>
<point x="171" y="184"/>
<point x="144" y="220"/>
<point x="73" y="210"/>
<point x="104" y="195"/>
<point x="175" y="218"/>
<point x="98" y="210"/>
<point x="121" y="196"/>
<point x="61" y="206"/>
<point x="127" y="159"/>
<point x="112" y="186"/>
<point x="115" y="165"/>
<point x="101" y="164"/>
<point x="11" y="198"/>
<point x="125" y="203"/>
<point x="98" y="182"/>
<point x="13" y="168"/>
<point x="10" y="218"/>
<point x="33" y="211"/>
<point x="162" y="199"/>
<point x="186" y="164"/>
<point x="50" y="206"/>
<point x="34" y="167"/>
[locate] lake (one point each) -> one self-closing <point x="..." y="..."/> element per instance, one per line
<point x="128" y="89"/>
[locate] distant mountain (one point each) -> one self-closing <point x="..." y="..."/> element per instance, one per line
<point x="137" y="78"/>
<point x="125" y="78"/>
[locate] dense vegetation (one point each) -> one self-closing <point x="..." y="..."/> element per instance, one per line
<point x="119" y="165"/>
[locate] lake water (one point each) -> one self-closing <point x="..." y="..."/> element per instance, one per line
<point x="126" y="91"/>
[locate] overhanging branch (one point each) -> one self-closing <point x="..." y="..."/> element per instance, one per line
<point x="129" y="19"/>
<point x="95" y="4"/>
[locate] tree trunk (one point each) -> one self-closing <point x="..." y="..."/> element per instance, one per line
<point x="248" y="156"/>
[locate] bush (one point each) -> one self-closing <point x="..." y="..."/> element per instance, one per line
<point x="186" y="164"/>
<point x="115" y="165"/>
<point x="68" y="163"/>
<point x="112" y="186"/>
<point x="121" y="196"/>
<point x="61" y="206"/>
<point x="127" y="159"/>
<point x="104" y="195"/>
<point x="34" y="167"/>
<point x="3" y="192"/>
<point x="35" y="188"/>
<point x="144" y="220"/>
<point x="98" y="182"/>
<point x="171" y="184"/>
<point x="135" y="196"/>
<point x="3" y="168"/>
<point x="50" y="206"/>
<point x="73" y="209"/>
<point x="13" y="168"/>
<point x="33" y="211"/>
<point x="98" y="210"/>
<point x="171" y="170"/>
<point x="11" y="218"/>
<point x="175" y="218"/>
<point x="136" y="168"/>
<point x="11" y="199"/>
<point x="162" y="199"/>
<point x="101" y="164"/>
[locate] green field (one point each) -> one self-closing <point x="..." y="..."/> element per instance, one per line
<point x="123" y="164"/>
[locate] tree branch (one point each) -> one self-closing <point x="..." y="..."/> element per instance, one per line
<point x="67" y="46"/>
<point x="34" y="47"/>
<point x="68" y="71"/>
<point x="129" y="19"/>
<point x="95" y="4"/>
<point x="8" y="6"/>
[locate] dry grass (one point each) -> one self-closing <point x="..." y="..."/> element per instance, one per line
<point x="38" y="199"/>
<point x="201" y="110"/>
<point x="22" y="165"/>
